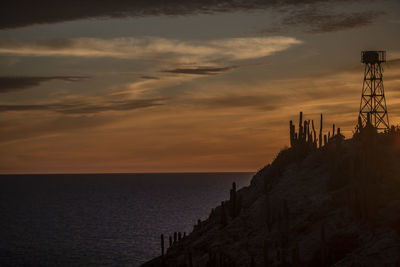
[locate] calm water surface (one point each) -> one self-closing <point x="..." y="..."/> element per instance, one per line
<point x="101" y="219"/>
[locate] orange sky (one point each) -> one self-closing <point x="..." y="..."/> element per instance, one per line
<point x="193" y="93"/>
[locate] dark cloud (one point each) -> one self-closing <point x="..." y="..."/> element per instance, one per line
<point x="321" y="21"/>
<point x="13" y="15"/>
<point x="200" y="70"/>
<point x="17" y="83"/>
<point x="86" y="108"/>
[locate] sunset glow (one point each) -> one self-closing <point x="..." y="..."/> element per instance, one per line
<point x="201" y="89"/>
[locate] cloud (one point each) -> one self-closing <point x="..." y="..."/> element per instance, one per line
<point x="47" y="11"/>
<point x="200" y="70"/>
<point x="186" y="52"/>
<point x="86" y="108"/>
<point x="17" y="83"/>
<point x="263" y="102"/>
<point x="146" y="77"/>
<point x="317" y="21"/>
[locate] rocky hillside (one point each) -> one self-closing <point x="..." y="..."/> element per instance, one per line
<point x="331" y="203"/>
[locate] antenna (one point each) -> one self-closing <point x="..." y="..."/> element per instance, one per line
<point x="373" y="103"/>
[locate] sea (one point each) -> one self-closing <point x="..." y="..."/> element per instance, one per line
<point x="102" y="219"/>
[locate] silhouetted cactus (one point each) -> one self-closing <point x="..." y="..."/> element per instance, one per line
<point x="265" y="253"/>
<point x="175" y="237"/>
<point x="292" y="134"/>
<point x="233" y="201"/>
<point x="296" y="256"/>
<point x="238" y="205"/>
<point x="305" y="132"/>
<point x="252" y="262"/>
<point x="300" y="137"/>
<point x="268" y="215"/>
<point x="162" y="245"/>
<point x="212" y="213"/>
<point x="320" y="133"/>
<point x="190" y="259"/>
<point x="286" y="217"/>
<point x="224" y="220"/>
<point x="170" y="241"/>
<point x="314" y="134"/>
<point x="323" y="245"/>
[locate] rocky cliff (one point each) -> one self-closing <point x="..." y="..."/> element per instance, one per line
<point x="332" y="204"/>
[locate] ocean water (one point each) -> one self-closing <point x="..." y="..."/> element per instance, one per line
<point x="101" y="219"/>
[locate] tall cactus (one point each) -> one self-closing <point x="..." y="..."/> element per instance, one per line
<point x="269" y="217"/>
<point x="300" y="137"/>
<point x="323" y="245"/>
<point x="320" y="133"/>
<point x="233" y="201"/>
<point x="292" y="132"/>
<point x="296" y="256"/>
<point x="224" y="220"/>
<point x="314" y="135"/>
<point x="190" y="256"/>
<point x="265" y="252"/>
<point x="305" y="131"/>
<point x="162" y="245"/>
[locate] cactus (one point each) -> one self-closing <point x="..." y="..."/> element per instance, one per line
<point x="223" y="215"/>
<point x="295" y="256"/>
<point x="175" y="237"/>
<point x="238" y="205"/>
<point x="300" y="126"/>
<point x="320" y="133"/>
<point x="325" y="141"/>
<point x="162" y="245"/>
<point x="199" y="224"/>
<point x="314" y="134"/>
<point x="233" y="201"/>
<point x="170" y="241"/>
<point x="252" y="262"/>
<point x="333" y="130"/>
<point x="323" y="244"/>
<point x="269" y="214"/>
<point x="179" y="236"/>
<point x="305" y="131"/>
<point x="265" y="251"/>
<point x="286" y="217"/>
<point x="190" y="256"/>
<point x="284" y="224"/>
<point x="292" y="131"/>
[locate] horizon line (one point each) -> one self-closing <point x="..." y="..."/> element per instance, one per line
<point x="101" y="173"/>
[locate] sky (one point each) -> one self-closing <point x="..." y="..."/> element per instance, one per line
<point x="181" y="86"/>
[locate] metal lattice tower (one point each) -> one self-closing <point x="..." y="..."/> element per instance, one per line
<point x="373" y="103"/>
